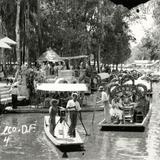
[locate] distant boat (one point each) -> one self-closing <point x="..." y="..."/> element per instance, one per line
<point x="61" y="137"/>
<point x="137" y="127"/>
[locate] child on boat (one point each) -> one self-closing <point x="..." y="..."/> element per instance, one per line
<point x="126" y="99"/>
<point x="53" y="110"/>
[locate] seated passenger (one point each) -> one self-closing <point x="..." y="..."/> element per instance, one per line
<point x="142" y="105"/>
<point x="126" y="100"/>
<point x="115" y="111"/>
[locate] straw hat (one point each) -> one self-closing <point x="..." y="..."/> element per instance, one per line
<point x="53" y="101"/>
<point x="101" y="88"/>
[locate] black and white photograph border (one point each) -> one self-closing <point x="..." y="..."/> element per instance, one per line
<point x="79" y="79"/>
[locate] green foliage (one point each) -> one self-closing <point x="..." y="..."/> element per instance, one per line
<point x="149" y="48"/>
<point x="70" y="27"/>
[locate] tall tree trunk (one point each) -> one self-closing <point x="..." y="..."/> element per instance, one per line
<point x="27" y="32"/>
<point x="102" y="37"/>
<point x="39" y="30"/>
<point x="98" y="58"/>
<point x="24" y="37"/>
<point x="17" y="30"/>
<point x="4" y="62"/>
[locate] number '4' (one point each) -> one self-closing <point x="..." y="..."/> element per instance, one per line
<point x="6" y="140"/>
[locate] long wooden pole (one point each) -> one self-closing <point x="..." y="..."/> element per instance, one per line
<point x="95" y="106"/>
<point x="80" y="118"/>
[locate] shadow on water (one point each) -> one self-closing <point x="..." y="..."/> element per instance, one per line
<point x="69" y="149"/>
<point x="125" y="129"/>
<point x="72" y="148"/>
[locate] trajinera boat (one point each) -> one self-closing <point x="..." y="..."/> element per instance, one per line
<point x="130" y="106"/>
<point x="61" y="137"/>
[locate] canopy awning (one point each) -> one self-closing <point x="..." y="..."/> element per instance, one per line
<point x="4" y="45"/>
<point x="62" y="87"/>
<point x="8" y="40"/>
<point x="140" y="81"/>
<point x="75" y="57"/>
<point x="50" y="56"/>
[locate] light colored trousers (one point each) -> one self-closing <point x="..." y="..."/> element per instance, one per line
<point x="107" y="116"/>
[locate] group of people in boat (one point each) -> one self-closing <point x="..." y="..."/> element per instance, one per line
<point x="73" y="106"/>
<point x="114" y="110"/>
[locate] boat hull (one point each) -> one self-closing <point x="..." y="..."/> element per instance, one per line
<point x="134" y="127"/>
<point x="61" y="137"/>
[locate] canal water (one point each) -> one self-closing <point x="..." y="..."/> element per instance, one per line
<point x="22" y="137"/>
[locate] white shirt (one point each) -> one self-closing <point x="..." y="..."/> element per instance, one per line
<point x="72" y="106"/>
<point x="114" y="112"/>
<point x="104" y="96"/>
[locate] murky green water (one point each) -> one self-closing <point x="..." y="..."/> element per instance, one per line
<point x="22" y="138"/>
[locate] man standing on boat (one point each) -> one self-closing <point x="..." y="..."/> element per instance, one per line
<point x="73" y="107"/>
<point x="104" y="99"/>
<point x="53" y="110"/>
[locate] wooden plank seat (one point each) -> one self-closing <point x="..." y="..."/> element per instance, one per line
<point x="4" y="89"/>
<point x="4" y="92"/>
<point x="5" y="95"/>
<point x="7" y="100"/>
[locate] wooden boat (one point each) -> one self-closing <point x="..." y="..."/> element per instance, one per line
<point x="134" y="119"/>
<point x="61" y="137"/>
<point x="136" y="127"/>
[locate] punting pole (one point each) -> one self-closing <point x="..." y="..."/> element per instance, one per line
<point x="80" y="118"/>
<point x="94" y="110"/>
<point x="94" y="113"/>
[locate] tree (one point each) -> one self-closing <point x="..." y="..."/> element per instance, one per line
<point x="17" y="30"/>
<point x="69" y="27"/>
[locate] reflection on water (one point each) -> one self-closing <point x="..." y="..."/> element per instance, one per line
<point x="28" y="141"/>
